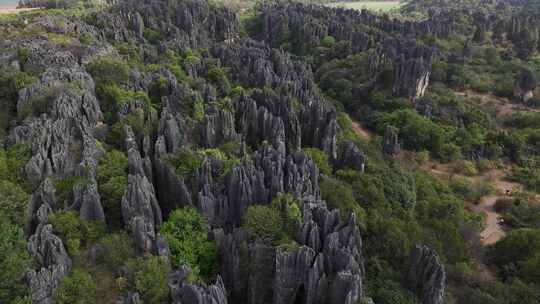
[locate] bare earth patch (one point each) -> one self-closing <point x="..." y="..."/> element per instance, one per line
<point x="360" y="131"/>
<point x="503" y="105"/>
<point x="14" y="10"/>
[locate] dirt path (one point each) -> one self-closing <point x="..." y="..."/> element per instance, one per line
<point x="493" y="230"/>
<point x="13" y="10"/>
<point x="362" y="132"/>
<point x="504" y="106"/>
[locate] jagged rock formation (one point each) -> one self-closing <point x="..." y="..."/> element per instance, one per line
<point x="350" y="157"/>
<point x="183" y="292"/>
<point x="525" y="85"/>
<point x="255" y="64"/>
<point x="326" y="268"/>
<point x="391" y="145"/>
<point x="140" y="208"/>
<point x="308" y="24"/>
<point x="186" y="24"/>
<point x="426" y="275"/>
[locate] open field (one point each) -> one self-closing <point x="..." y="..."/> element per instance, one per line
<point x="384" y="6"/>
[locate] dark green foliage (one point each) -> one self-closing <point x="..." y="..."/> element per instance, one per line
<point x="187" y="234"/>
<point x="15" y="262"/>
<point x="275" y="224"/>
<point x="399" y="187"/>
<point x="417" y="132"/>
<point x="108" y="70"/>
<point x="320" y="158"/>
<point x="187" y="162"/>
<point x="264" y="223"/>
<point x="117" y="249"/>
<point x="339" y="195"/>
<point x="518" y="254"/>
<point x="64" y="187"/>
<point x="112" y="181"/>
<point x="148" y="276"/>
<point x="75" y="232"/>
<point x="152" y="36"/>
<point x="77" y="288"/>
<point x="13" y="188"/>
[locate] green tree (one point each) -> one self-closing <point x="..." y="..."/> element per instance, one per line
<point x="187" y="233"/>
<point x="14" y="262"/>
<point x="77" y="288"/>
<point x="112" y="181"/>
<point x="150" y="279"/>
<point x="320" y="158"/>
<point x="264" y="223"/>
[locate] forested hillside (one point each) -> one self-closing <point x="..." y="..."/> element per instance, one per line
<point x="246" y="152"/>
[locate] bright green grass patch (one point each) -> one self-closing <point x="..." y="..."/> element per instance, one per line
<point x="384" y="6"/>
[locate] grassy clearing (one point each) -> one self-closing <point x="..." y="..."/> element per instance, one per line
<point x="384" y="6"/>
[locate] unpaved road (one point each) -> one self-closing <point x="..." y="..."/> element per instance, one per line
<point x="504" y="106"/>
<point x="363" y="133"/>
<point x="493" y="231"/>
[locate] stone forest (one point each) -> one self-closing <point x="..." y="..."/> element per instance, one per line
<point x="270" y="152"/>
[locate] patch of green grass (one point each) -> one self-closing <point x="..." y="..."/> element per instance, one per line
<point x="384" y="6"/>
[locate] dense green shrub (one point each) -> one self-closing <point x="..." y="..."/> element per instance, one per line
<point x="520" y="248"/>
<point x="15" y="262"/>
<point x="75" y="232"/>
<point x="187" y="162"/>
<point x="265" y="224"/>
<point x="339" y="195"/>
<point x="77" y="288"/>
<point x="112" y="181"/>
<point x="64" y="187"/>
<point x="320" y="158"/>
<point x="399" y="187"/>
<point x="149" y="278"/>
<point x="109" y="70"/>
<point x="117" y="249"/>
<point x="187" y="234"/>
<point x="13" y="200"/>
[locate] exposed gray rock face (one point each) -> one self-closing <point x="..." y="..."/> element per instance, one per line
<point x="525" y="85"/>
<point x="326" y="268"/>
<point x="411" y="65"/>
<point x="426" y="275"/>
<point x="186" y="24"/>
<point x="53" y="264"/>
<point x="270" y="172"/>
<point x="218" y="128"/>
<point x="391" y="145"/>
<point x="305" y="25"/>
<point x="350" y="157"/>
<point x="258" y="65"/>
<point x="183" y="292"/>
<point x="140" y="209"/>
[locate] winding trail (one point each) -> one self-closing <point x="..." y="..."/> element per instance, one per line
<point x="504" y="106"/>
<point x="493" y="230"/>
<point x="360" y="131"/>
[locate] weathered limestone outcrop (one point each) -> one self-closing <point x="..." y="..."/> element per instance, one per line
<point x="525" y="85"/>
<point x="326" y="268"/>
<point x="183" y="292"/>
<point x="304" y="25"/>
<point x="53" y="264"/>
<point x="313" y="122"/>
<point x="187" y="24"/>
<point x="391" y="145"/>
<point x="350" y="157"/>
<point x="140" y="209"/>
<point x="426" y="275"/>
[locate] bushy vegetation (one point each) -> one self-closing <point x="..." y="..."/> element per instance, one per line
<point x="15" y="262"/>
<point x="187" y="234"/>
<point x="78" y="287"/>
<point x="75" y="232"/>
<point x="112" y="181"/>
<point x="274" y="224"/>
